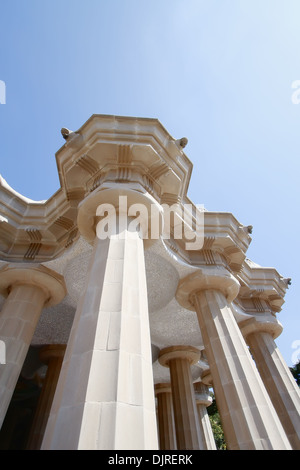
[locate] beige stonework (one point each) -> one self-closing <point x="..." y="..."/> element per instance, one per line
<point x="248" y="417"/>
<point x="119" y="303"/>
<point x="203" y="400"/>
<point x="110" y="334"/>
<point x="166" y="424"/>
<point x="280" y="384"/>
<point x="52" y="355"/>
<point x="28" y="291"/>
<point x="256" y="315"/>
<point x="179" y="359"/>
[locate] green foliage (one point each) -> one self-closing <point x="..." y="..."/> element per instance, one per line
<point x="216" y="426"/>
<point x="214" y="415"/>
<point x="295" y="370"/>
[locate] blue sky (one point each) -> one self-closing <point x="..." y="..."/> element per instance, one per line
<point x="219" y="72"/>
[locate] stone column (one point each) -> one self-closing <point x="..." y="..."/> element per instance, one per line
<point x="28" y="291"/>
<point x="247" y="414"/>
<point x="277" y="378"/>
<point x="105" y="394"/>
<point x="52" y="355"/>
<point x="179" y="359"/>
<point x="203" y="400"/>
<point x="166" y="425"/>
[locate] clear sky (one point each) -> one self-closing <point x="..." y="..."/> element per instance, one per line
<point x="219" y="72"/>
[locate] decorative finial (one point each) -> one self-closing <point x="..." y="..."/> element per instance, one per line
<point x="182" y="142"/>
<point x="246" y="228"/>
<point x="73" y="139"/>
<point x="66" y="133"/>
<point x="286" y="280"/>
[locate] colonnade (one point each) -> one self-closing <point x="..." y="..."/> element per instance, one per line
<point x="182" y="416"/>
<point x="105" y="395"/>
<point x="27" y="290"/>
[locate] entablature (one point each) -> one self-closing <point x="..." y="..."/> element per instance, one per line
<point x="263" y="285"/>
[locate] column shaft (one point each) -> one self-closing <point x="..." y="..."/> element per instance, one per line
<point x="105" y="391"/>
<point x="53" y="356"/>
<point x="185" y="412"/>
<point x="203" y="400"/>
<point x="166" y="425"/>
<point x="207" y="437"/>
<point x="279" y="383"/>
<point x="18" y="320"/>
<point x="248" y="417"/>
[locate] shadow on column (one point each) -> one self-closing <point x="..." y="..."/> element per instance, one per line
<point x="18" y="420"/>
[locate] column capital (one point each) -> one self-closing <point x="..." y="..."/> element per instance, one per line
<point x="202" y="394"/>
<point x="110" y="193"/>
<point x="254" y="326"/>
<point x="49" y="281"/>
<point x="217" y="278"/>
<point x="206" y="378"/>
<point x="258" y="318"/>
<point x="162" y="388"/>
<point x="190" y="353"/>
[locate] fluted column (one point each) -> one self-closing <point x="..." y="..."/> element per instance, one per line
<point x="52" y="355"/>
<point x="278" y="381"/>
<point x="105" y="394"/>
<point x="203" y="400"/>
<point x="166" y="425"/>
<point x="28" y="291"/>
<point x="179" y="360"/>
<point x="248" y="417"/>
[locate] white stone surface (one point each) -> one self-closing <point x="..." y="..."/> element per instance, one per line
<point x="122" y="152"/>
<point x="107" y="372"/>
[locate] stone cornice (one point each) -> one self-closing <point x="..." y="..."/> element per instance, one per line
<point x="225" y="236"/>
<point x="115" y="149"/>
<point x="262" y="283"/>
<point x="110" y="142"/>
<point x="105" y="148"/>
<point x="34" y="231"/>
